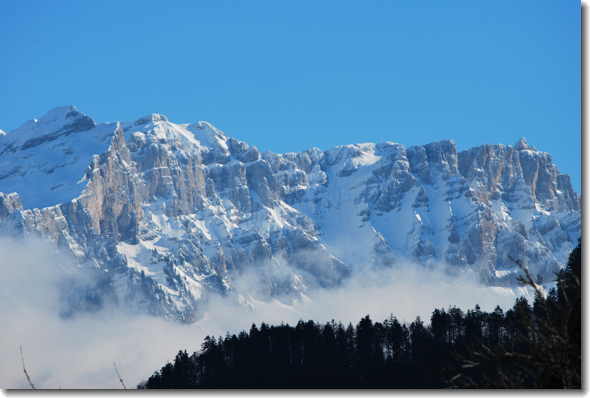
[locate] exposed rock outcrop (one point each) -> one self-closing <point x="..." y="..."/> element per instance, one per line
<point x="172" y="213"/>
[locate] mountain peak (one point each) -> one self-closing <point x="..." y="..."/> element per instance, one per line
<point x="209" y="135"/>
<point x="207" y="126"/>
<point x="522" y="144"/>
<point x="151" y="118"/>
<point x="60" y="113"/>
<point x="57" y="119"/>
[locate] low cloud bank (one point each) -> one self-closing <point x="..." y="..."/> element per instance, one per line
<point x="80" y="352"/>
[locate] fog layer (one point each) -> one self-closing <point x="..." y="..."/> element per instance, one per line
<point x="79" y="352"/>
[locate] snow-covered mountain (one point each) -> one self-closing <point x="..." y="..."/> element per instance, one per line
<point x="169" y="213"/>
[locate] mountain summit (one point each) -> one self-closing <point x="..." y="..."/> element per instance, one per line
<point x="171" y="213"/>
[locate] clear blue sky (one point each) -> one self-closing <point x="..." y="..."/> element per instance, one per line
<point x="288" y="75"/>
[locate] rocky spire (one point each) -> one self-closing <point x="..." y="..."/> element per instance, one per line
<point x="522" y="144"/>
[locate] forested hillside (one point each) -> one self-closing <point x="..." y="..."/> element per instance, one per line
<point x="531" y="345"/>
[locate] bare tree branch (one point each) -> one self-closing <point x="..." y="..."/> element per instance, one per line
<point x="22" y="358"/>
<point x="119" y="376"/>
<point x="527" y="279"/>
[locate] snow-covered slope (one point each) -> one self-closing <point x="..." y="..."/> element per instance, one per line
<point x="171" y="213"/>
<point x="43" y="158"/>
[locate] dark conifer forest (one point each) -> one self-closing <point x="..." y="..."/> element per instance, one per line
<point x="531" y="345"/>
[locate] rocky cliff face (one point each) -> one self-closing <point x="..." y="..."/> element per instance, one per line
<point x="167" y="214"/>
